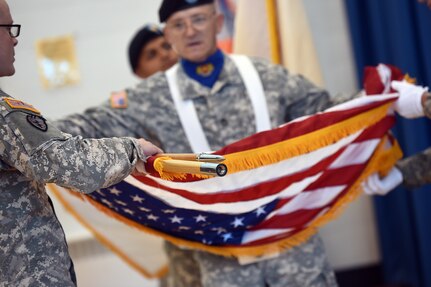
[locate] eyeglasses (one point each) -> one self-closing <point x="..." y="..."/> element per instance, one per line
<point x="14" y="29"/>
<point x="198" y="22"/>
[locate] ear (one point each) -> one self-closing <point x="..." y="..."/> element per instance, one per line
<point x="219" y="22"/>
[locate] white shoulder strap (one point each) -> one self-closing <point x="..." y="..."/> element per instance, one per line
<point x="187" y="113"/>
<point x="255" y="91"/>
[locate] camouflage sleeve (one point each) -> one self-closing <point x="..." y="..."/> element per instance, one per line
<point x="43" y="153"/>
<point x="427" y="105"/>
<point x="108" y="120"/>
<point x="416" y="169"/>
<point x="96" y="122"/>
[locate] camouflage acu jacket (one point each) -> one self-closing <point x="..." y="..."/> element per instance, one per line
<point x="33" y="250"/>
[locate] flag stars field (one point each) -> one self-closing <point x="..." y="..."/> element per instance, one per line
<point x="107" y="202"/>
<point x="219" y="230"/>
<point x="126" y="210"/>
<point x="200" y="218"/>
<point x="115" y="191"/>
<point x="152" y="217"/>
<point x="168" y="211"/>
<point x="238" y="222"/>
<point x="260" y="211"/>
<point x="137" y="198"/>
<point x="121" y="202"/>
<point x="176" y="219"/>
<point x="227" y="236"/>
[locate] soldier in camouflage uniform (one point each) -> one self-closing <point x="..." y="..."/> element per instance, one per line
<point x="33" y="249"/>
<point x="226" y="114"/>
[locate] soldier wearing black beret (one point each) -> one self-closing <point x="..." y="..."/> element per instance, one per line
<point x="149" y="52"/>
<point x="169" y="7"/>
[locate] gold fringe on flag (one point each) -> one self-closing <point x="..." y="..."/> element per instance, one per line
<point x="170" y="169"/>
<point x="279" y="151"/>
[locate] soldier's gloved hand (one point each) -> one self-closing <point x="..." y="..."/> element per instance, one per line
<point x="148" y="149"/>
<point x="409" y="103"/>
<point x="374" y="185"/>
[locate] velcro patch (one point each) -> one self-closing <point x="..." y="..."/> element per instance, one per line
<point x="119" y="100"/>
<point x="20" y="105"/>
<point x="37" y="122"/>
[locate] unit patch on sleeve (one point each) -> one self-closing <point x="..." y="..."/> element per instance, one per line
<point x="20" y="105"/>
<point x="38" y="122"/>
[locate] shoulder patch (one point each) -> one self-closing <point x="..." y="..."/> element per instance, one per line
<point x="37" y="122"/>
<point x="119" y="100"/>
<point x="20" y="105"/>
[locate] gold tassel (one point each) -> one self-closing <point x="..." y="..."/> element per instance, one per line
<point x="274" y="153"/>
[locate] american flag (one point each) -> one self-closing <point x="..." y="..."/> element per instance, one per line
<point x="281" y="186"/>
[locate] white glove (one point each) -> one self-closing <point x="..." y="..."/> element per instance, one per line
<point x="409" y="103"/>
<point x="374" y="185"/>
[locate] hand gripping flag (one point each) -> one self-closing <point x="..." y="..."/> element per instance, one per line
<point x="281" y="186"/>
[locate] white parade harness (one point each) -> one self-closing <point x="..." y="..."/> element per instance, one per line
<point x="187" y="112"/>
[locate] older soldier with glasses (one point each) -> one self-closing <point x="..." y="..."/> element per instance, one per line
<point x="33" y="249"/>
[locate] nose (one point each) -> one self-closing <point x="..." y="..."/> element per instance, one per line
<point x="190" y="29"/>
<point x="15" y="41"/>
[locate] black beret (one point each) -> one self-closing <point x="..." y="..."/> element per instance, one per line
<point x="141" y="38"/>
<point x="169" y="7"/>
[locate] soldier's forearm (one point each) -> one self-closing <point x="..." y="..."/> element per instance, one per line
<point x="426" y="103"/>
<point x="416" y="169"/>
<point x="83" y="164"/>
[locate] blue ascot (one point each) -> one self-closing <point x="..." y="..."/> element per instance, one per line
<point x="207" y="72"/>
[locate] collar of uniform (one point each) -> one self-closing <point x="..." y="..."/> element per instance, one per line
<point x="191" y="89"/>
<point x="206" y="72"/>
